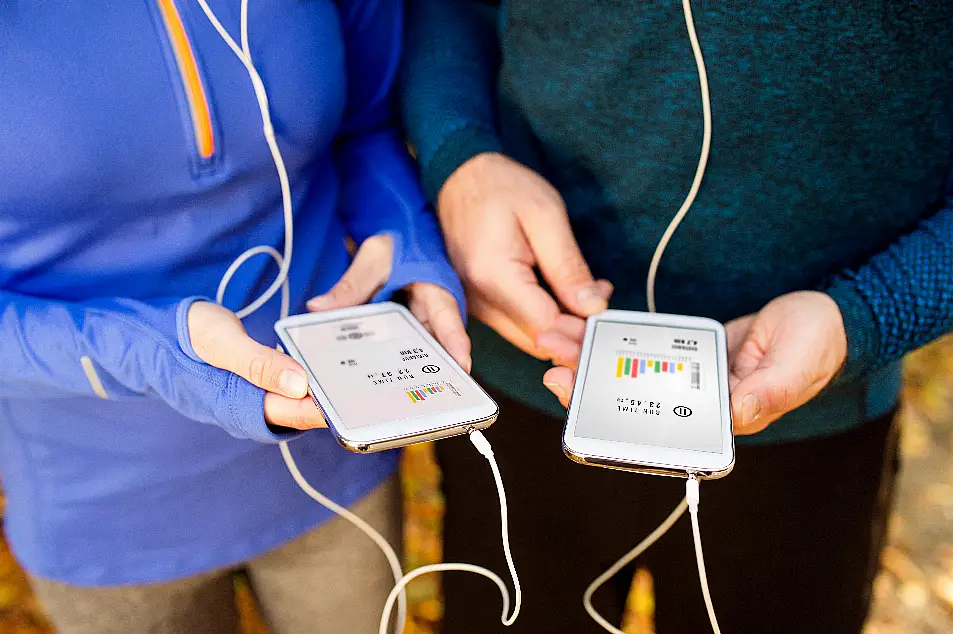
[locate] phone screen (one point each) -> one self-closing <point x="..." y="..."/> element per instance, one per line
<point x="652" y="385"/>
<point x="378" y="369"/>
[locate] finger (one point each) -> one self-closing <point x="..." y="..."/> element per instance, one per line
<point x="515" y="292"/>
<point x="737" y="330"/>
<point x="560" y="260"/>
<point x="769" y="392"/>
<point x="220" y="340"/>
<point x="438" y="311"/>
<point x="561" y="349"/>
<point x="571" y="327"/>
<point x="296" y="413"/>
<point x="563" y="342"/>
<point x="560" y="382"/>
<point x="733" y="380"/>
<point x="746" y="350"/>
<point x="368" y="272"/>
<point x="267" y="368"/>
<point x="505" y="327"/>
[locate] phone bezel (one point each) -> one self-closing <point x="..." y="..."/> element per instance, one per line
<point x="648" y="458"/>
<point x="388" y="435"/>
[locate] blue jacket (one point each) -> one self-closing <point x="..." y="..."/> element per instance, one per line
<point x="133" y="170"/>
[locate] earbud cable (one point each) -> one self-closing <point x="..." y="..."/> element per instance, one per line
<point x="690" y="502"/>
<point x="283" y="260"/>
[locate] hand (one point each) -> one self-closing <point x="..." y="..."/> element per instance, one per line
<point x="778" y="358"/>
<point x="501" y="221"/>
<point x="219" y="339"/>
<point x="432" y="305"/>
<point x="565" y="339"/>
<point x="782" y="356"/>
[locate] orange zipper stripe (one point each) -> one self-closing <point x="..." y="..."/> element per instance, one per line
<point x="188" y="69"/>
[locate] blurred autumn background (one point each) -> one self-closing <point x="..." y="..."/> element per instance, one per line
<point x="913" y="593"/>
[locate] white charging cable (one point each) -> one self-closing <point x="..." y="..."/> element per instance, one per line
<point x="398" y="594"/>
<point x="692" y="492"/>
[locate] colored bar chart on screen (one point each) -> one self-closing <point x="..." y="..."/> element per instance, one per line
<point x="629" y="365"/>
<point x="421" y="394"/>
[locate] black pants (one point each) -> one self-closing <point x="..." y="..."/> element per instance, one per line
<point x="792" y="536"/>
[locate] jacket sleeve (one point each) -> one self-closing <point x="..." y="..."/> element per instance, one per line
<point x="121" y="349"/>
<point x="448" y="95"/>
<point x="380" y="190"/>
<point x="899" y="300"/>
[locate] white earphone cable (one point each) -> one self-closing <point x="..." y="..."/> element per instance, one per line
<point x="243" y="53"/>
<point x="483" y="446"/>
<point x="398" y="594"/>
<point x="693" y="495"/>
<point x="691" y="499"/>
<point x="702" y="161"/>
<point x="284" y="262"/>
<point x="364" y="527"/>
<point x="626" y="559"/>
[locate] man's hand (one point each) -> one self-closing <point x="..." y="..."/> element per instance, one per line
<point x="432" y="305"/>
<point x="782" y="356"/>
<point x="778" y="358"/>
<point x="502" y="221"/>
<point x="220" y="340"/>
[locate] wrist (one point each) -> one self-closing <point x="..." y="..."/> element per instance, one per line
<point x="183" y="335"/>
<point x="860" y="331"/>
<point x="471" y="172"/>
<point x="457" y="149"/>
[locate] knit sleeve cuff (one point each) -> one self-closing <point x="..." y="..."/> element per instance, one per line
<point x="461" y="143"/>
<point x="861" y="329"/>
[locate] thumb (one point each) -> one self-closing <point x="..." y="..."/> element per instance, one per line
<point x="267" y="368"/>
<point x="368" y="272"/>
<point x="219" y="339"/>
<point x="562" y="264"/>
<point x="559" y="381"/>
<point x="764" y="395"/>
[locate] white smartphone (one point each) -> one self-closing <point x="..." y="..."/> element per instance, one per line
<point x="381" y="380"/>
<point x="651" y="395"/>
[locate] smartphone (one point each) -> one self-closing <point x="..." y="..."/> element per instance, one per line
<point x="381" y="380"/>
<point x="651" y="396"/>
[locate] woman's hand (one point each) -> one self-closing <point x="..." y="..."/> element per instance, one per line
<point x="435" y="307"/>
<point x="219" y="339"/>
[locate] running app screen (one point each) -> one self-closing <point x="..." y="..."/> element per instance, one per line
<point x="652" y="385"/>
<point x="377" y="369"/>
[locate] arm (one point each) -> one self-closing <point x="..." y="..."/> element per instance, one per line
<point x="129" y="348"/>
<point x="785" y="354"/>
<point x="503" y="222"/>
<point x="380" y="190"/>
<point x="449" y="85"/>
<point x="901" y="299"/>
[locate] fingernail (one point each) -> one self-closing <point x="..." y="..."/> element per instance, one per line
<point x="317" y="303"/>
<point x="591" y="301"/>
<point x="556" y="389"/>
<point x="750" y="409"/>
<point x="293" y="384"/>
